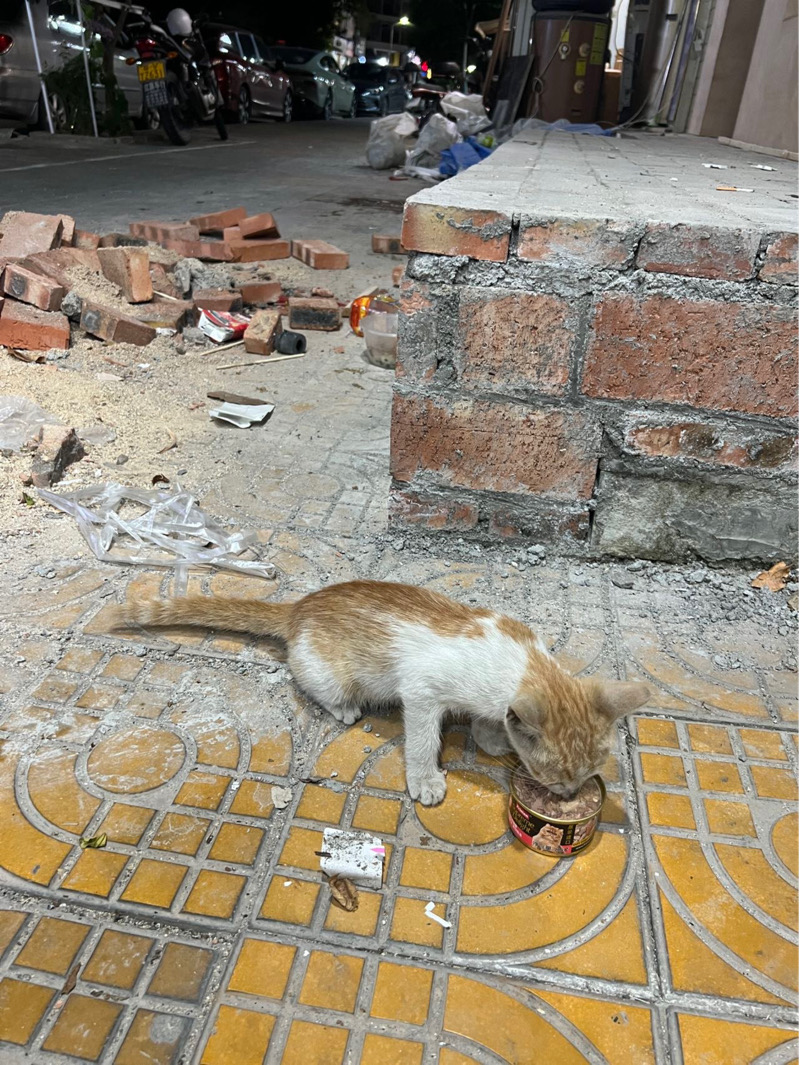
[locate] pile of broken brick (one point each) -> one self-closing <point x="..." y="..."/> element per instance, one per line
<point x="41" y="256"/>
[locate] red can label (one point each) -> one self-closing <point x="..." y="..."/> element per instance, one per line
<point x="546" y="836"/>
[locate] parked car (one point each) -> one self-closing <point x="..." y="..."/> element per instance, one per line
<point x="317" y="82"/>
<point x="379" y="89"/>
<point x="58" y="35"/>
<point x="252" y="84"/>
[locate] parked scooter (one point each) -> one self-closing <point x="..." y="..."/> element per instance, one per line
<point x="177" y="77"/>
<point x="426" y="101"/>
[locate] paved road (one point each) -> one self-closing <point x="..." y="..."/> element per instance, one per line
<point x="306" y="171"/>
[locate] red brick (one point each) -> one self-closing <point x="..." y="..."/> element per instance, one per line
<point x="258" y="225"/>
<point x="109" y="324"/>
<point x="709" y="443"/>
<point x="163" y="285"/>
<point x="84" y="239"/>
<point x="602" y="243"/>
<point x="320" y="255"/>
<point x="440" y="230"/>
<point x="384" y="245"/>
<point x="57" y="448"/>
<point x="397" y="274"/>
<point x="217" y="299"/>
<point x="550" y="525"/>
<point x="780" y="261"/>
<point x="495" y="446"/>
<point x="122" y="240"/>
<point x="31" y="329"/>
<point x="261" y="334"/>
<point x="67" y="229"/>
<point x="216" y="251"/>
<point x="67" y="258"/>
<point x="165" y="314"/>
<point x="230" y="233"/>
<point x="41" y="264"/>
<point x="314" y="314"/>
<point x="257" y="292"/>
<point x="431" y="512"/>
<point x="715" y="355"/>
<point x="515" y="341"/>
<point x="31" y="287"/>
<point x="128" y="268"/>
<point x="218" y="220"/>
<point x="161" y="231"/>
<point x="24" y="233"/>
<point x="698" y="251"/>
<point x="254" y="251"/>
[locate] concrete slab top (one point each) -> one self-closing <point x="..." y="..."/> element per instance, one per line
<point x="638" y="176"/>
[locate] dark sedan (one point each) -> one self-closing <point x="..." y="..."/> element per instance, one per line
<point x="379" y="89"/>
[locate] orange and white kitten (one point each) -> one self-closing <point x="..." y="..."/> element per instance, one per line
<point x="375" y="643"/>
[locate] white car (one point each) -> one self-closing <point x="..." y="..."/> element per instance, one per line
<point x="317" y="81"/>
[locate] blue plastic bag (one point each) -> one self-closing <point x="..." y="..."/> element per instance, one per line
<point x="462" y="156"/>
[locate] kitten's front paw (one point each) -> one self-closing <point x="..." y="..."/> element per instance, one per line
<point x="428" y="790"/>
<point x="348" y="715"/>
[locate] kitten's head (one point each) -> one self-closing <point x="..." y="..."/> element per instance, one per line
<point x="562" y="728"/>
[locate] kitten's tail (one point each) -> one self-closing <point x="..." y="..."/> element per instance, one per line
<point x="206" y="611"/>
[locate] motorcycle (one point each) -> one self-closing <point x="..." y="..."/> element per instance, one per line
<point x="426" y="101"/>
<point x="177" y="77"/>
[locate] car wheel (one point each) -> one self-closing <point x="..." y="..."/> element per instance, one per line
<point x="243" y="108"/>
<point x="327" y="108"/>
<point x="384" y="107"/>
<point x="58" y="113"/>
<point x="286" y="111"/>
<point x="353" y="107"/>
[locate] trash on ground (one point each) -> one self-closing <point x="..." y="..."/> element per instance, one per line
<point x="242" y="415"/>
<point x="775" y="578"/>
<point x="155" y="527"/>
<point x="172" y="442"/>
<point x="281" y="797"/>
<point x="762" y="166"/>
<point x="462" y="156"/>
<point x="93" y="842"/>
<point x="344" y="893"/>
<point x="20" y="419"/>
<point x="715" y="166"/>
<point x="389" y="140"/>
<point x="435" y="916"/>
<point x="223" y="326"/>
<point x="360" y="306"/>
<point x="379" y="326"/>
<point x="436" y="135"/>
<point x="467" y="111"/>
<point x="289" y="343"/>
<point x="732" y="188"/>
<point x="354" y="855"/>
<point x="260" y="362"/>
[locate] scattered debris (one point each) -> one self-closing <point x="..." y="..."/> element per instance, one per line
<point x="775" y="578"/>
<point x="260" y="362"/>
<point x="384" y="245"/>
<point x="223" y="325"/>
<point x="715" y="166"/>
<point x="20" y="419"/>
<point x="732" y="188"/>
<point x="344" y="893"/>
<point x="93" y="842"/>
<point x="261" y="334"/>
<point x="353" y="855"/>
<point x="320" y="255"/>
<point x="242" y="415"/>
<point x="314" y="314"/>
<point x="435" y="916"/>
<point x="762" y="166"/>
<point x="170" y="444"/>
<point x="57" y="447"/>
<point x="281" y="797"/>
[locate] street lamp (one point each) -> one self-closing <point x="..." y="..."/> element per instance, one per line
<point x="404" y="21"/>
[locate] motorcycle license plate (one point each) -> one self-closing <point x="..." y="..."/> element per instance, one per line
<point x="154" y="71"/>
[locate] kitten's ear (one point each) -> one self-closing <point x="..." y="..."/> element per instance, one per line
<point x="615" y="698"/>
<point x="526" y="711"/>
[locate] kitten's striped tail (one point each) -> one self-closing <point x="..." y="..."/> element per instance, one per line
<point x="208" y="611"/>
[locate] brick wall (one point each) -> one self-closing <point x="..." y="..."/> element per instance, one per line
<point x="617" y="386"/>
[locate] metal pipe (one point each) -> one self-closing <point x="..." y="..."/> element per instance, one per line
<point x="86" y="68"/>
<point x="684" y="60"/>
<point x="45" y="97"/>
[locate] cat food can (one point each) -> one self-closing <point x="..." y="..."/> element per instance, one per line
<point x="533" y="810"/>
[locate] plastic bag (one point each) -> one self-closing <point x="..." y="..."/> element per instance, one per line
<point x="438" y="134"/>
<point x="467" y="112"/>
<point x="149" y="527"/>
<point x="561" y="125"/>
<point x="462" y="156"/>
<point x="19" y="420"/>
<point x="389" y="140"/>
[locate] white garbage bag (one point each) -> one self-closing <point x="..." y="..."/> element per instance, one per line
<point x="437" y="134"/>
<point x="389" y="140"/>
<point x="467" y="112"/>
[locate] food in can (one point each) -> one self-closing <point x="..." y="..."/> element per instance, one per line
<point x="547" y="823"/>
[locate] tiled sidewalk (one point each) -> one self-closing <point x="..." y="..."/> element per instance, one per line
<point x="203" y="932"/>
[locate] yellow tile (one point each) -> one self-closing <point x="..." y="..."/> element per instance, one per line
<point x="674" y="811"/>
<point x="95" y="872"/>
<point x="180" y="833"/>
<point x="315" y="1043"/>
<point x="381" y="1050"/>
<point x="55" y="689"/>
<point x="614" y="953"/>
<point x="749" y="869"/>
<point x="377" y="815"/>
<point x="215" y="894"/>
<point x="30" y="718"/>
<point x="204" y="790"/>
<point x="293" y="904"/>
<point x="361" y="922"/>
<point x="122" y="667"/>
<point x="654" y="732"/>
<point x="614" y="809"/>
<point x="331" y="981"/>
<point x="454" y="820"/>
<point x="181" y="972"/>
<point x="117" y="960"/>
<point x="136" y="759"/>
<point x="298" y="850"/>
<point x="718" y="776"/>
<point x="10" y="924"/>
<point x="167" y="673"/>
<point x="272" y="754"/>
<point x="784" y="840"/>
<point x="760" y="744"/>
<point x="146" y="704"/>
<point x="239" y="1037"/>
<point x="714" y="1041"/>
<point x="53" y="946"/>
<point x="453" y="746"/>
<point x="402" y="993"/>
<point x="454" y="1057"/>
<point x="262" y="968"/>
<point x="774" y="783"/>
<point x="345" y="754"/>
<point x="80" y="660"/>
<point x="253" y="799"/>
<point x="389" y="772"/>
<point x="663" y="769"/>
<point x="100" y="697"/>
<point x="83" y="1027"/>
<point x="152" y="1039"/>
<point x="126" y="824"/>
<point x="729" y="818"/>
<point x="321" y="804"/>
<point x="154" y="883"/>
<point x="411" y="925"/>
<point x="237" y="843"/>
<point x="22" y="1006"/>
<point x="603" y="1022"/>
<point x="26" y="852"/>
<point x="423" y="868"/>
<point x="508" y="869"/>
<point x="56" y="793"/>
